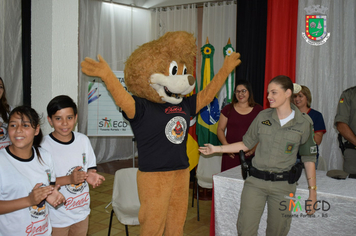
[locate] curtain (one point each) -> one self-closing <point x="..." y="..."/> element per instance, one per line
<point x="11" y="50"/>
<point x="330" y="68"/>
<point x="182" y="17"/>
<point x="219" y="24"/>
<point x="251" y="44"/>
<point x="281" y="41"/>
<point x="113" y="31"/>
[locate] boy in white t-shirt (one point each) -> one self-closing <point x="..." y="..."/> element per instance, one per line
<point x="75" y="168"/>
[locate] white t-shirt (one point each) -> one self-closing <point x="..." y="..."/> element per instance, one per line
<point x="66" y="157"/>
<point x="17" y="179"/>
<point x="288" y="118"/>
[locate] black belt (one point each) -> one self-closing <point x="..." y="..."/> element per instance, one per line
<point x="349" y="145"/>
<point x="267" y="175"/>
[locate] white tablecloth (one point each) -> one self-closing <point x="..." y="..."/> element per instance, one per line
<point x="339" y="220"/>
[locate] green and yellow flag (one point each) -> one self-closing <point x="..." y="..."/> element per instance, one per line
<point x="209" y="116"/>
<point x="230" y="81"/>
<point x="227" y="92"/>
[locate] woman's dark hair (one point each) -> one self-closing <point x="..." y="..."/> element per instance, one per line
<point x="58" y="103"/>
<point x="34" y="120"/>
<point x="4" y="106"/>
<point x="285" y="82"/>
<point x="251" y="101"/>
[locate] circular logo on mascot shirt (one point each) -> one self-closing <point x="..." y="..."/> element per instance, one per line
<point x="176" y="129"/>
<point x="75" y="188"/>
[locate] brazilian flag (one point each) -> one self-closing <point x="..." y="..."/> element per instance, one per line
<point x="209" y="116"/>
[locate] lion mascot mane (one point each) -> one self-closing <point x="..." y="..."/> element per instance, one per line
<point x="158" y="74"/>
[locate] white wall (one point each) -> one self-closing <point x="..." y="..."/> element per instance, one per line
<point x="54" y="52"/>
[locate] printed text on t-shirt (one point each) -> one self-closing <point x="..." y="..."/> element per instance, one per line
<point x="78" y="201"/>
<point x="174" y="109"/>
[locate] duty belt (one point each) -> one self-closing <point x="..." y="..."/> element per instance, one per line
<point x="267" y="175"/>
<point x="349" y="145"/>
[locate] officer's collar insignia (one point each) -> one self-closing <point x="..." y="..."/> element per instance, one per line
<point x="267" y="122"/>
<point x="341" y="100"/>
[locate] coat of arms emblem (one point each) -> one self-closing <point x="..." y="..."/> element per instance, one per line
<point x="316" y="25"/>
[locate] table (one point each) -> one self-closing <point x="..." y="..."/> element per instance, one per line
<point x="337" y="195"/>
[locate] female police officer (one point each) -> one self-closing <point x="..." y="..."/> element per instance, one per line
<point x="280" y="132"/>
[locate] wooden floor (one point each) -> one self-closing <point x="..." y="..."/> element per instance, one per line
<point x="100" y="215"/>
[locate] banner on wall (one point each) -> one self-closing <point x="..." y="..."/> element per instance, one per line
<point x="104" y="117"/>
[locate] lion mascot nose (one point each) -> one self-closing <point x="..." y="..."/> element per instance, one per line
<point x="191" y="80"/>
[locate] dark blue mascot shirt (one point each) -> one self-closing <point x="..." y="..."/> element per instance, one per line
<point x="161" y="132"/>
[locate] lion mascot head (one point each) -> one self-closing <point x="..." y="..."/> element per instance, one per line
<point x="161" y="70"/>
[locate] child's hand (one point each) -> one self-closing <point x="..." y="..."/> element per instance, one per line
<point x="94" y="178"/>
<point x="56" y="198"/>
<point x="208" y="149"/>
<point x="39" y="193"/>
<point x="78" y="176"/>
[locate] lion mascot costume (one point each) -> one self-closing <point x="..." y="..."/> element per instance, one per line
<point x="158" y="74"/>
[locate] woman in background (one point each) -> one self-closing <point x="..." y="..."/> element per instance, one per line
<point x="303" y="101"/>
<point x="4" y="114"/>
<point x="235" y="118"/>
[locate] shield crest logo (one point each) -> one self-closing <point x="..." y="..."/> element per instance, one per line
<point x="315" y="27"/>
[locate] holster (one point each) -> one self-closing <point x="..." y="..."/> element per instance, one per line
<point x="295" y="173"/>
<point x="245" y="169"/>
<point x="341" y="144"/>
<point x="344" y="145"/>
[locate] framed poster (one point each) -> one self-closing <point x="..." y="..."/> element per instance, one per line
<point x="104" y="117"/>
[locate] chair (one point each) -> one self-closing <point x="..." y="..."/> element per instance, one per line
<point x="125" y="201"/>
<point x="207" y="167"/>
